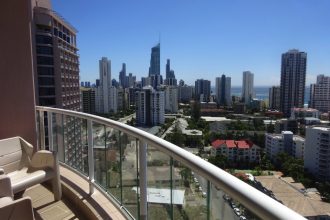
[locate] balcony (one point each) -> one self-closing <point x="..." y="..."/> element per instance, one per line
<point x="126" y="173"/>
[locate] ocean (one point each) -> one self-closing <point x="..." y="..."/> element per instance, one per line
<point x="262" y="92"/>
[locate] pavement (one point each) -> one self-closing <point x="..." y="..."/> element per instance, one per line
<point x="220" y="209"/>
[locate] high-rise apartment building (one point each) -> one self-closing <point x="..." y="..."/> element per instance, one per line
<point x="247" y="87"/>
<point x="57" y="74"/>
<point x="122" y="77"/>
<point x="320" y="94"/>
<point x="185" y="93"/>
<point x="202" y="90"/>
<point x="88" y="99"/>
<point x="150" y="109"/>
<point x="170" y="76"/>
<point x="285" y="142"/>
<point x="103" y="90"/>
<point x="274" y="97"/>
<point x="223" y="90"/>
<point x="171" y="99"/>
<point x="293" y="76"/>
<point x="317" y="153"/>
<point x="154" y="68"/>
<point x="113" y="99"/>
<point x="131" y="80"/>
<point x="146" y="81"/>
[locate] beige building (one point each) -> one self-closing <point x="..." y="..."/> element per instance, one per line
<point x="56" y="74"/>
<point x="306" y="202"/>
<point x="57" y="61"/>
<point x="242" y="150"/>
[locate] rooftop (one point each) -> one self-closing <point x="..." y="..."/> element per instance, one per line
<point x="294" y="196"/>
<point x="241" y="144"/>
<point x="212" y="119"/>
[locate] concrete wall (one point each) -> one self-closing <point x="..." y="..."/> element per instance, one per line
<point x="17" y="108"/>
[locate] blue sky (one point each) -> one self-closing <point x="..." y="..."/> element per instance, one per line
<point x="203" y="38"/>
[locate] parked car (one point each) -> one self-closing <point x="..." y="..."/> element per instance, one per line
<point x="237" y="211"/>
<point x="226" y="197"/>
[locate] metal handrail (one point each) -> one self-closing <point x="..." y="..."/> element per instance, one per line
<point x="260" y="204"/>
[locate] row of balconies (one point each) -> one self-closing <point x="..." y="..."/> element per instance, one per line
<point x="69" y="76"/>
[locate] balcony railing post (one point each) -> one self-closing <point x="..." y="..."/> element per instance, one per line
<point x="143" y="180"/>
<point x="90" y="156"/>
<point x="42" y="130"/>
<point x="50" y="130"/>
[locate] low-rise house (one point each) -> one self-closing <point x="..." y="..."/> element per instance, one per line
<point x="284" y="142"/>
<point x="242" y="150"/>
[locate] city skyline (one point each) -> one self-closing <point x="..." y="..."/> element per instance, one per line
<point x="228" y="39"/>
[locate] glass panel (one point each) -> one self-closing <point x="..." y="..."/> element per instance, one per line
<point x="221" y="205"/>
<point x="159" y="184"/>
<point x="99" y="148"/>
<point x="129" y="165"/>
<point x="73" y="149"/>
<point x="84" y="145"/>
<point x="38" y="127"/>
<point x="189" y="193"/>
<point x="113" y="163"/>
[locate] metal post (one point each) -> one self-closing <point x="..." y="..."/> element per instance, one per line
<point x="143" y="181"/>
<point x="171" y="185"/>
<point x="90" y="156"/>
<point x="208" y="200"/>
<point x="42" y="130"/>
<point x="50" y="131"/>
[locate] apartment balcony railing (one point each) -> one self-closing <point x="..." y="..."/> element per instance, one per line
<point x="147" y="176"/>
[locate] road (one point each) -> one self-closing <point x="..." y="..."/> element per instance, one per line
<point x="127" y="118"/>
<point x="169" y="129"/>
<point x="220" y="209"/>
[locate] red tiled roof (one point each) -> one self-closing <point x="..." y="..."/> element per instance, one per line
<point x="230" y="143"/>
<point x="244" y="144"/>
<point x="217" y="143"/>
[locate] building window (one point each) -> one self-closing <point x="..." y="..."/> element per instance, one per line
<point x="42" y="39"/>
<point x="45" y="60"/>
<point x="46" y="81"/>
<point x="42" y="71"/>
<point x="44" y="50"/>
<point x="46" y="91"/>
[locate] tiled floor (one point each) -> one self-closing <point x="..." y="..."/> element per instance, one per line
<point x="46" y="208"/>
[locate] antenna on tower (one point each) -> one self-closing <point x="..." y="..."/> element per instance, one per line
<point x="159" y="37"/>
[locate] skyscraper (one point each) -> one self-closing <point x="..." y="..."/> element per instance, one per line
<point x="88" y="99"/>
<point x="103" y="91"/>
<point x="247" y="88"/>
<point x="293" y="76"/>
<point x="57" y="75"/>
<point x="122" y="76"/>
<point x="223" y="90"/>
<point x="317" y="155"/>
<point x="320" y="94"/>
<point x="150" y="109"/>
<point x="154" y="68"/>
<point x="171" y="99"/>
<point x="170" y="76"/>
<point x="274" y="97"/>
<point x="202" y="90"/>
<point x="57" y="72"/>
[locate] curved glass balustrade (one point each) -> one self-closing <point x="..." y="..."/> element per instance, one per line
<point x="147" y="176"/>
